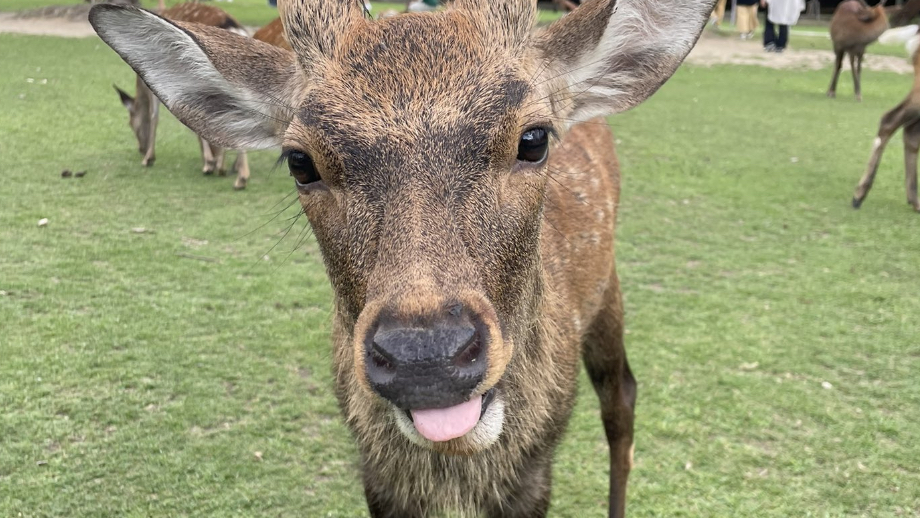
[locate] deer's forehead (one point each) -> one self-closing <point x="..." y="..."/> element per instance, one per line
<point x="441" y="65"/>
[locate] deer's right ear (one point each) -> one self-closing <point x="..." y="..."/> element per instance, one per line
<point x="226" y="87"/>
<point x="126" y="100"/>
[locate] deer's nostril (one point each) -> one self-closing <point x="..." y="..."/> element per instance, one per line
<point x="469" y="355"/>
<point x="381" y="359"/>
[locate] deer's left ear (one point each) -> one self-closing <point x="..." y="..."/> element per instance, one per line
<point x="611" y="55"/>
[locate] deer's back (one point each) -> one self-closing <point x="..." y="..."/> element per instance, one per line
<point x="273" y="34"/>
<point x="854" y="26"/>
<point x="203" y="14"/>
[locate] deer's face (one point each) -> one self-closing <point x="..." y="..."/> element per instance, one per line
<point x="138" y="117"/>
<point x="418" y="146"/>
<point x="421" y="163"/>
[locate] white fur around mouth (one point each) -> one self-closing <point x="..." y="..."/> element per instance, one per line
<point x="483" y="435"/>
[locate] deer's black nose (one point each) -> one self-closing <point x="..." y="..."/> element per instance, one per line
<point x="436" y="366"/>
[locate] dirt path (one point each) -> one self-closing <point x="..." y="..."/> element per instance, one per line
<point x="717" y="50"/>
<point x="59" y="26"/>
<point x="711" y="50"/>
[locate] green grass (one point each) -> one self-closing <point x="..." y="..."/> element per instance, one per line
<point x="141" y="372"/>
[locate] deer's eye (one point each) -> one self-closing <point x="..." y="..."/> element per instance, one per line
<point x="533" y="146"/>
<point x="302" y="168"/>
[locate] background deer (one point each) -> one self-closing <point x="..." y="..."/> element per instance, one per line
<point x="854" y="26"/>
<point x="273" y="34"/>
<point x="471" y="264"/>
<point x="144" y="107"/>
<point x="906" y="115"/>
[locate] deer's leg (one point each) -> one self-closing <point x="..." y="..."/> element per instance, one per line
<point x="832" y="89"/>
<point x="219" y="154"/>
<point x="241" y="165"/>
<point x="911" y="145"/>
<point x="856" y="67"/>
<point x="207" y="157"/>
<point x="890" y="123"/>
<point x="150" y="155"/>
<point x="605" y="360"/>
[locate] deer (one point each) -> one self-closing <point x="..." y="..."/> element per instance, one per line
<point x="144" y="107"/>
<point x="273" y="34"/>
<point x="462" y="185"/>
<point x="854" y="26"/>
<point x="905" y="115"/>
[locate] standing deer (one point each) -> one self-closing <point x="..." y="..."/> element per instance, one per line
<point x="465" y="219"/>
<point x="144" y="107"/>
<point x="854" y="26"/>
<point x="906" y="115"/>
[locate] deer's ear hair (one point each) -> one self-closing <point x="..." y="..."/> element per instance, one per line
<point x="614" y="54"/>
<point x="224" y="86"/>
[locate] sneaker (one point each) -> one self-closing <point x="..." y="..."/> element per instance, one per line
<point x="779" y="50"/>
<point x="769" y="47"/>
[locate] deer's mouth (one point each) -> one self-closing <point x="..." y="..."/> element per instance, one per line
<point x="477" y="421"/>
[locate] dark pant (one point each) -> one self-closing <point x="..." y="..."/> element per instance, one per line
<point x="769" y="35"/>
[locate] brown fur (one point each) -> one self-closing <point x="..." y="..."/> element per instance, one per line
<point x="907" y="115"/>
<point x="544" y="295"/>
<point x="201" y="13"/>
<point x="413" y="124"/>
<point x="902" y="15"/>
<point x="854" y="27"/>
<point x="273" y="34"/>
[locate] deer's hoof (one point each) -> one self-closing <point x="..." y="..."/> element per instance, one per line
<point x="856" y="202"/>
<point x="147" y="162"/>
<point x="859" y="98"/>
<point x="832" y="94"/>
<point x="239" y="185"/>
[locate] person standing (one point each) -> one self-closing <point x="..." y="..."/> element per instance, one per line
<point x="783" y="13"/>
<point x="747" y="18"/>
<point x="718" y="13"/>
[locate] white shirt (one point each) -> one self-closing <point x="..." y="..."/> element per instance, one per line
<point x="784" y="12"/>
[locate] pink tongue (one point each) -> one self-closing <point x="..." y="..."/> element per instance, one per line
<point x="444" y="424"/>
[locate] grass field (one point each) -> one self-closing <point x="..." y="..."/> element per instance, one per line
<point x="164" y="339"/>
